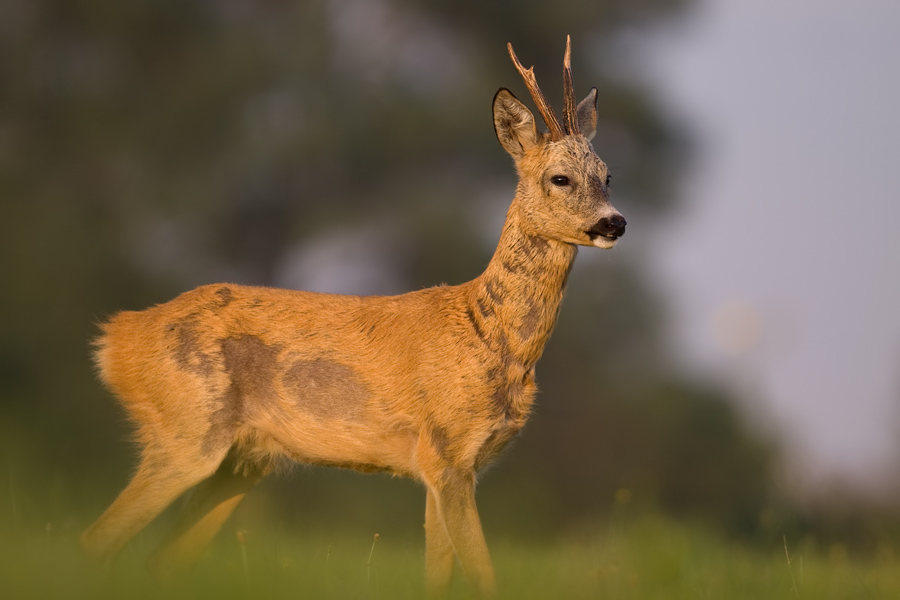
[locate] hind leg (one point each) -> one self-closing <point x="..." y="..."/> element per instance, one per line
<point x="208" y="507"/>
<point x="159" y="480"/>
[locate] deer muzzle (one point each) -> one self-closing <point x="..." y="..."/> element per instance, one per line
<point x="611" y="228"/>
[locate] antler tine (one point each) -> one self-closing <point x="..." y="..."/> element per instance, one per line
<point x="570" y="112"/>
<point x="556" y="131"/>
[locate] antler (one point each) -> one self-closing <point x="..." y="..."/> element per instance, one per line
<point x="556" y="131"/>
<point x="570" y="111"/>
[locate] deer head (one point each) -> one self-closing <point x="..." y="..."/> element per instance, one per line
<point x="563" y="191"/>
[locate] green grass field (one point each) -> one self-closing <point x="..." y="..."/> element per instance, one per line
<point x="646" y="556"/>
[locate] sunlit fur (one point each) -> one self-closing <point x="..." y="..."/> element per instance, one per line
<point x="225" y="381"/>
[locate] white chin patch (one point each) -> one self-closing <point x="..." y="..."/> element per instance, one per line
<point x="602" y="242"/>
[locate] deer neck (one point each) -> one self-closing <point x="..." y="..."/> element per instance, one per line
<point x="514" y="303"/>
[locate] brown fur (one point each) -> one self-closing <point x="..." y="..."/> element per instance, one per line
<point x="225" y="380"/>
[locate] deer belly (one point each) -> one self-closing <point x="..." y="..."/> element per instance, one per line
<point x="355" y="445"/>
<point x="326" y="414"/>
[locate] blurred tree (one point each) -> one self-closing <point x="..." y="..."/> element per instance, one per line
<point x="147" y="147"/>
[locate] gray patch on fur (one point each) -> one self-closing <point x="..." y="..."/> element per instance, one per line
<point x="485" y="310"/>
<point x="495" y="290"/>
<point x="251" y="366"/>
<point x="470" y="315"/>
<point x="326" y="389"/>
<point x="514" y="265"/>
<point x="531" y="320"/>
<point x="224" y="297"/>
<point x="187" y="353"/>
<point x="538" y="243"/>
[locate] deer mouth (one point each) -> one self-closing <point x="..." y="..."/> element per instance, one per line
<point x="602" y="241"/>
<point x="594" y="235"/>
<point x="603" y="236"/>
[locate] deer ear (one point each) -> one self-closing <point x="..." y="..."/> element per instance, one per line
<point x="513" y="124"/>
<point x="587" y="115"/>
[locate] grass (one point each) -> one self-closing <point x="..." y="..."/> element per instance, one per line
<point x="640" y="556"/>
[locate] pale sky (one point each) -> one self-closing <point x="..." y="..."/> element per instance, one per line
<point x="784" y="264"/>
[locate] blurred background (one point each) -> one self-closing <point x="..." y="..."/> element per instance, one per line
<point x="735" y="359"/>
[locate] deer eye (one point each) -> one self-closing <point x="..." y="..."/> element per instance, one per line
<point x="608" y="179"/>
<point x="559" y="180"/>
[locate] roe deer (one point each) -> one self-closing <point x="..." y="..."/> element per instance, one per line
<point x="226" y="379"/>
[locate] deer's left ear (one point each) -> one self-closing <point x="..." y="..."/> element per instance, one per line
<point x="587" y="115"/>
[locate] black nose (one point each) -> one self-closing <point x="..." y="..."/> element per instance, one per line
<point x="611" y="227"/>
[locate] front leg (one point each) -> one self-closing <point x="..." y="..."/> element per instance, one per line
<point x="453" y="497"/>
<point x="439" y="553"/>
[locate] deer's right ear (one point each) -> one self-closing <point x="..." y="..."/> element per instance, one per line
<point x="513" y="124"/>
